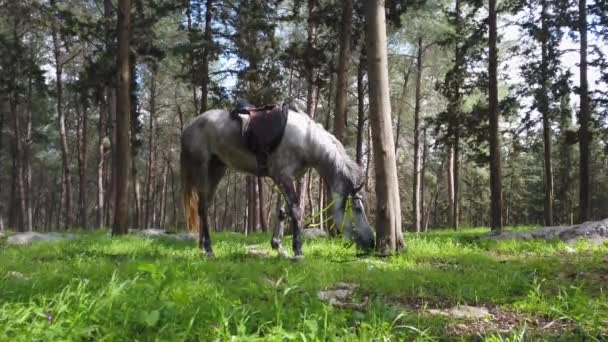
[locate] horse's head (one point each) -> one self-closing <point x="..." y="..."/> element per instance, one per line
<point x="350" y="215"/>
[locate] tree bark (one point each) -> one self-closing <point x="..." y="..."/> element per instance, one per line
<point x="343" y="60"/>
<point x="584" y="120"/>
<point x="66" y="189"/>
<point x="1" y="184"/>
<point x="495" y="169"/>
<point x="121" y="159"/>
<point x="163" y="200"/>
<point x="27" y="160"/>
<point x="19" y="182"/>
<point x="206" y="54"/>
<point x="82" y="168"/>
<point x="422" y="178"/>
<point x="360" y="107"/>
<point x="544" y="108"/>
<point x="262" y="204"/>
<point x="388" y="205"/>
<point x="450" y="184"/>
<point x="313" y="86"/>
<point x="151" y="149"/>
<point x="101" y="150"/>
<point x="416" y="182"/>
<point x="192" y="63"/>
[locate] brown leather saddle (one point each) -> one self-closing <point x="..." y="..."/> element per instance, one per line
<point x="262" y="128"/>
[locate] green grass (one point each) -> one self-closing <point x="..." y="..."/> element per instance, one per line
<point x="131" y="288"/>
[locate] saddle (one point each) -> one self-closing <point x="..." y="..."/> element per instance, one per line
<point x="263" y="129"/>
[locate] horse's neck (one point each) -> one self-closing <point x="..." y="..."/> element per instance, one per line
<point x="325" y="159"/>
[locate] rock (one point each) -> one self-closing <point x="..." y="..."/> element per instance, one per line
<point x="17" y="275"/>
<point x="569" y="250"/>
<point x="595" y="232"/>
<point x="313" y="233"/>
<point x="341" y="296"/>
<point x="463" y="312"/>
<point x="150" y="232"/>
<point x="257" y="250"/>
<point x="29" y="237"/>
<point x="155" y="233"/>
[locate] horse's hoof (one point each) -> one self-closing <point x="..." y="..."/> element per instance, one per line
<point x="276" y="244"/>
<point x="208" y="254"/>
<point x="297" y="258"/>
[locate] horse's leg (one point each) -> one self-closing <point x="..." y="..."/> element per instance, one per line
<point x="204" y="238"/>
<point x="214" y="173"/>
<point x="277" y="233"/>
<point x="294" y="212"/>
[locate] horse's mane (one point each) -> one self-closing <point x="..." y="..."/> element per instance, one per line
<point x="333" y="159"/>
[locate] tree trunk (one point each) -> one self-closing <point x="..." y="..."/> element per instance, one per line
<point x="82" y="168"/>
<point x="1" y="146"/>
<point x="313" y="87"/>
<point x="450" y="184"/>
<point x="402" y="103"/>
<point x="544" y="108"/>
<point x="18" y="197"/>
<point x="101" y="149"/>
<point x="151" y="149"/>
<point x="456" y="202"/>
<point x="123" y="110"/>
<point x="455" y="111"/>
<point x="360" y="107"/>
<point x="495" y="169"/>
<point x="205" y="57"/>
<point x="422" y="178"/>
<point x="163" y="199"/>
<point x="27" y="160"/>
<point x="416" y="182"/>
<point x="343" y="61"/>
<point x="66" y="189"/>
<point x="193" y="70"/>
<point x="584" y="120"/>
<point x="388" y="205"/>
<point x="262" y="204"/>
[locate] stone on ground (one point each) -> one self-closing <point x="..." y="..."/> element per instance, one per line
<point x="155" y="232"/>
<point x="463" y="312"/>
<point x="595" y="232"/>
<point x="257" y="250"/>
<point x="313" y="233"/>
<point x="342" y="296"/>
<point x="29" y="237"/>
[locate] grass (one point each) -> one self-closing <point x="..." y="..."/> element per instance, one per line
<point x="132" y="288"/>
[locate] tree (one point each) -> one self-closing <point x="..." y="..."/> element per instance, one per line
<point x="417" y="152"/>
<point x="66" y="188"/>
<point x="123" y="114"/>
<point x="584" y="118"/>
<point x="495" y="169"/>
<point x="388" y="206"/>
<point x="343" y="59"/>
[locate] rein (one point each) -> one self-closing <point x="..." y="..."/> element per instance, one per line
<point x="348" y="209"/>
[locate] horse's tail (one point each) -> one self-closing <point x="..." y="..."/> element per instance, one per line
<point x="190" y="193"/>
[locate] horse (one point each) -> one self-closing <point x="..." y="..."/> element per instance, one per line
<point x="213" y="142"/>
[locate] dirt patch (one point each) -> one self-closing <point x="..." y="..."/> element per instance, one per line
<point x="504" y="322"/>
<point x="482" y="320"/>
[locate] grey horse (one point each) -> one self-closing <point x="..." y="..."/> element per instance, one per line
<point x="213" y="142"/>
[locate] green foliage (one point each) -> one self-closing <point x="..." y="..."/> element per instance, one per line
<point x="98" y="288"/>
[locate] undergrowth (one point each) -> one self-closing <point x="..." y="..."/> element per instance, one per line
<point x="132" y="288"/>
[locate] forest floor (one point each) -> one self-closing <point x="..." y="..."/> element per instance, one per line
<point x="135" y="288"/>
